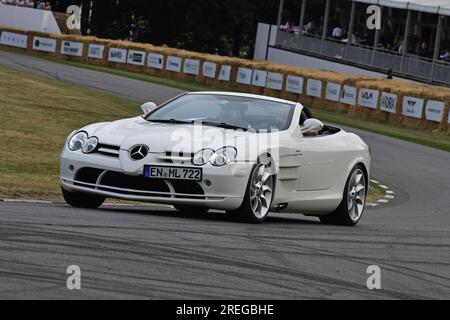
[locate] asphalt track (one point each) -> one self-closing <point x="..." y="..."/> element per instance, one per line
<point x="154" y="252"/>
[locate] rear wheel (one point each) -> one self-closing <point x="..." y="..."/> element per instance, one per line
<point x="82" y="200"/>
<point x="350" y="210"/>
<point x="190" y="209"/>
<point x="258" y="196"/>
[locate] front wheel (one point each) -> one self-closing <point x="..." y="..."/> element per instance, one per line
<point x="258" y="196"/>
<point x="82" y="200"/>
<point x="350" y="210"/>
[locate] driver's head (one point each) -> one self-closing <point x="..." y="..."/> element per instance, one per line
<point x="233" y="111"/>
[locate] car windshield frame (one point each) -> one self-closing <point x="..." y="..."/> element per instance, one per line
<point x="224" y="96"/>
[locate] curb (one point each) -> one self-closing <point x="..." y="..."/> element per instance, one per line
<point x="389" y="195"/>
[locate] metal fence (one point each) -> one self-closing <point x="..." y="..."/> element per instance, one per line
<point x="410" y="66"/>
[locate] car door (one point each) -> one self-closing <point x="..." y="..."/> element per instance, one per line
<point x="320" y="169"/>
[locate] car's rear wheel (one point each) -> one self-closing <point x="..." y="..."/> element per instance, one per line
<point x="258" y="196"/>
<point x="190" y="209"/>
<point x="351" y="209"/>
<point x="82" y="200"/>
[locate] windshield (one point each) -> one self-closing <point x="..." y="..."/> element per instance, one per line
<point x="232" y="112"/>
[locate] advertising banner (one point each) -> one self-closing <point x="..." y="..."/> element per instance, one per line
<point x="388" y="102"/>
<point x="136" y="57"/>
<point x="275" y="81"/>
<point x="14" y="39"/>
<point x="314" y="88"/>
<point x="435" y="110"/>
<point x="348" y="95"/>
<point x="294" y="84"/>
<point x="173" y="64"/>
<point x="209" y="69"/>
<point x="44" y="44"/>
<point x="96" y="51"/>
<point x="368" y="98"/>
<point x="70" y="48"/>
<point x="191" y="66"/>
<point x="117" y="55"/>
<point x="259" y="78"/>
<point x="333" y="92"/>
<point x="413" y="107"/>
<point x="225" y="73"/>
<point x="155" y="60"/>
<point x="244" y="76"/>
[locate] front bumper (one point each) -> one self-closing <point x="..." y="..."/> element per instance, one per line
<point x="119" y="177"/>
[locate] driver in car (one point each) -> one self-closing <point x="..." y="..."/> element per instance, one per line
<point x="234" y="113"/>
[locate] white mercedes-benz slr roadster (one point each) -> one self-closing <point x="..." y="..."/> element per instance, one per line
<point x="246" y="154"/>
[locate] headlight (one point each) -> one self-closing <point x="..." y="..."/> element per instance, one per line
<point x="202" y="157"/>
<point x="223" y="156"/>
<point x="81" y="140"/>
<point x="78" y="140"/>
<point x="90" y="145"/>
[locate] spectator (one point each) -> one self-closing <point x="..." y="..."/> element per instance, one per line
<point x="390" y="75"/>
<point x="337" y="33"/>
<point x="40" y="5"/>
<point x="48" y="6"/>
<point x="310" y="27"/>
<point x="424" y="51"/>
<point x="445" y="56"/>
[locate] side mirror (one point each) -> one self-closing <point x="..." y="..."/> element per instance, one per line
<point x="148" y="107"/>
<point x="312" y="125"/>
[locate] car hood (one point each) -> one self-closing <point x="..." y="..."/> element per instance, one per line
<point x="163" y="137"/>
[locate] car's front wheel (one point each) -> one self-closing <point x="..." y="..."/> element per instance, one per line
<point x="82" y="200"/>
<point x="258" y="196"/>
<point x="350" y="210"/>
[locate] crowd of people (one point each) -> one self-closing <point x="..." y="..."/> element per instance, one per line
<point x="387" y="42"/>
<point x="41" y="5"/>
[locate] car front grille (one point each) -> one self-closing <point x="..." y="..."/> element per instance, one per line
<point x="120" y="183"/>
<point x="108" y="150"/>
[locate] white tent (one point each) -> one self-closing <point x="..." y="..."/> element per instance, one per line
<point x="441" y="7"/>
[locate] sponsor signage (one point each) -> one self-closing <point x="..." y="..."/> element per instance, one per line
<point x="274" y="81"/>
<point x="96" y="51"/>
<point x="388" y="102"/>
<point x="70" y="48"/>
<point x="44" y="44"/>
<point x="244" y="76"/>
<point x="155" y="60"/>
<point x="191" y="66"/>
<point x="368" y="98"/>
<point x="173" y="64"/>
<point x="117" y="55"/>
<point x="413" y="107"/>
<point x="294" y="84"/>
<point x="314" y="88"/>
<point x="209" y="69"/>
<point x="333" y="92"/>
<point x="435" y="110"/>
<point x="259" y="78"/>
<point x="225" y="73"/>
<point x="136" y="57"/>
<point x="14" y="39"/>
<point x="348" y="95"/>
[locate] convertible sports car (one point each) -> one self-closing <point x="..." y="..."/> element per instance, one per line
<point x="245" y="154"/>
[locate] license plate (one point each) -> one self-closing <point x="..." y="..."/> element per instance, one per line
<point x="177" y="173"/>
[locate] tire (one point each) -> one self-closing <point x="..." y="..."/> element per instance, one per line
<point x="190" y="209"/>
<point x="82" y="200"/>
<point x="258" y="196"/>
<point x="351" y="208"/>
